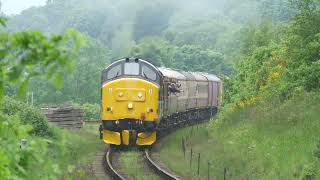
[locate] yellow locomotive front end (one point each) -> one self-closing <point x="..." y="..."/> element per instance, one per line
<point x="129" y="103"/>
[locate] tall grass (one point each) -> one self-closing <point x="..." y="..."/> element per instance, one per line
<point x="272" y="140"/>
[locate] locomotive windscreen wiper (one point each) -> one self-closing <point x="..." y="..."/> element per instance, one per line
<point x="145" y="75"/>
<point x="117" y="74"/>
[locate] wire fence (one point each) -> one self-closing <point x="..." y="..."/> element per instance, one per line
<point x="196" y="160"/>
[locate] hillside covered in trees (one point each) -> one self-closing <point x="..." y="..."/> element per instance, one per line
<point x="266" y="51"/>
<point x="200" y="35"/>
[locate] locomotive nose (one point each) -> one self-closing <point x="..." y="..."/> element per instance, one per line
<point x="130" y="98"/>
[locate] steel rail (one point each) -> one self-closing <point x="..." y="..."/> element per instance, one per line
<point x="163" y="173"/>
<point x="108" y="161"/>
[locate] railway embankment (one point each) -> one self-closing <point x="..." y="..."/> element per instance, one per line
<point x="267" y="141"/>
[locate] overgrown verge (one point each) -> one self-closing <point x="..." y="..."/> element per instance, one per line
<point x="268" y="141"/>
<point x="30" y="148"/>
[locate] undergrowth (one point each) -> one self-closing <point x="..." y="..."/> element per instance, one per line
<point x="30" y="148"/>
<point x="271" y="140"/>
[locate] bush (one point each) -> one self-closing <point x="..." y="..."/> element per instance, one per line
<point x="27" y="115"/>
<point x="50" y="153"/>
<point x="18" y="162"/>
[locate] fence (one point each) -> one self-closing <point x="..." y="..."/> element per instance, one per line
<point x="195" y="158"/>
<point x="66" y="117"/>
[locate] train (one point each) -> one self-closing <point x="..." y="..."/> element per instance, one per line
<point x="140" y="102"/>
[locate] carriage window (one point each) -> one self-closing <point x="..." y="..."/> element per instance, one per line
<point x="114" y="72"/>
<point x="148" y="73"/>
<point x="131" y="69"/>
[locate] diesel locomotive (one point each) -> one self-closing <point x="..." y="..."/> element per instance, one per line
<point x="139" y="101"/>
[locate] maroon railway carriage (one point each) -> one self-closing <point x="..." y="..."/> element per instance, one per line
<point x="187" y="96"/>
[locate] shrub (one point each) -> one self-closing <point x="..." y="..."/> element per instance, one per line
<point x="17" y="161"/>
<point x="27" y="115"/>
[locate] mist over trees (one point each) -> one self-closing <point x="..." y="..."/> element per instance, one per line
<point x="202" y="35"/>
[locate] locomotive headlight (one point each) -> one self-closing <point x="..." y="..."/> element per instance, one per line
<point x="140" y="95"/>
<point x="130" y="105"/>
<point x="109" y="109"/>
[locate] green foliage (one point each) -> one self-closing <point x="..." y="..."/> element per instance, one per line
<point x="152" y="19"/>
<point x="317" y="151"/>
<point x="271" y="140"/>
<point x="83" y="84"/>
<point x="188" y="57"/>
<point x="28" y="54"/>
<point x="127" y="22"/>
<point x="91" y="111"/>
<point x="278" y="61"/>
<point x="41" y="158"/>
<point x="28" y="115"/>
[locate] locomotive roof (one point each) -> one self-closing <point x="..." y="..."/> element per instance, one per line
<point x="131" y="60"/>
<point x="176" y="74"/>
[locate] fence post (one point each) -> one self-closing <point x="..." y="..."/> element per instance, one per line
<point x="208" y="170"/>
<point x="191" y="158"/>
<point x="183" y="148"/>
<point x="224" y="173"/>
<point x="192" y="131"/>
<point x="199" y="164"/>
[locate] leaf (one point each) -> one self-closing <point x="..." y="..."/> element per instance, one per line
<point x="3" y="21"/>
<point x="58" y="80"/>
<point x="23" y="88"/>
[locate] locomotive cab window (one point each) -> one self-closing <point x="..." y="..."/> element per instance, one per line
<point x="131" y="68"/>
<point x="148" y="73"/>
<point x="114" y="72"/>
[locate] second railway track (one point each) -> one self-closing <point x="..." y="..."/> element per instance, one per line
<point x="145" y="166"/>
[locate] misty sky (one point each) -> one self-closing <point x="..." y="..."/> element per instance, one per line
<point x="10" y="7"/>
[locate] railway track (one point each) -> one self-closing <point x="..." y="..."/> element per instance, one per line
<point x="149" y="168"/>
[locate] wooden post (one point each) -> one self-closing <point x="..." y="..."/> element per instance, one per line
<point x="208" y="170"/>
<point x="192" y="131"/>
<point x="183" y="148"/>
<point x="199" y="164"/>
<point x="191" y="158"/>
<point x="224" y="173"/>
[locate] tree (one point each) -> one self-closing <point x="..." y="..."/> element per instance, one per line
<point x="29" y="54"/>
<point x="83" y="84"/>
<point x="151" y="20"/>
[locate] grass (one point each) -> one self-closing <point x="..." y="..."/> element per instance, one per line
<point x="132" y="164"/>
<point x="271" y="140"/>
<point x="82" y="146"/>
